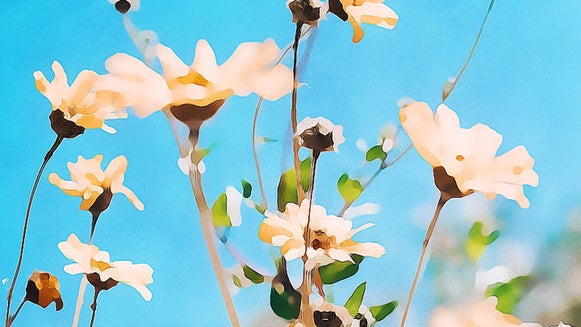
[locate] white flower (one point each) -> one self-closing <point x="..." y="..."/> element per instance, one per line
<point x="80" y="103"/>
<point x="250" y="69"/>
<point x="369" y="12"/>
<point x="330" y="235"/>
<point x="468" y="155"/>
<point x="319" y="134"/>
<point x="89" y="181"/>
<point x="90" y="260"/>
<point x="480" y="313"/>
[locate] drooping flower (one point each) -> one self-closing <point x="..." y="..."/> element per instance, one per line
<point x="467" y="156"/>
<point x="481" y="313"/>
<point x="307" y="11"/>
<point x="79" y="103"/>
<point x="363" y="11"/>
<point x="198" y="91"/>
<point x="319" y="134"/>
<point x="95" y="186"/>
<point x="123" y="6"/>
<point x="43" y="289"/>
<point x="330" y="235"/>
<point x="103" y="273"/>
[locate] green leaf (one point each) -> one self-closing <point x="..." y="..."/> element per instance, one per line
<point x="252" y="275"/>
<point x="354" y="302"/>
<point x="236" y="281"/>
<point x="375" y="152"/>
<point x="340" y="270"/>
<point x="219" y="212"/>
<point x="509" y="294"/>
<point x="246" y="189"/>
<point x="349" y="189"/>
<point x="477" y="241"/>
<point x="285" y="301"/>
<point x="379" y="312"/>
<point x="287" y="184"/>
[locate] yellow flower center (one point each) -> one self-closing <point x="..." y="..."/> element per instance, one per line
<point x="460" y="157"/>
<point x="101" y="265"/>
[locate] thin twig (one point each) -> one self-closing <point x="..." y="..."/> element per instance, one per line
<point x="94" y="307"/>
<point x="443" y="199"/>
<point x="472" y="50"/>
<point x="47" y="157"/>
<point x="293" y="114"/>
<point x="13" y="317"/>
<point x="80" y="299"/>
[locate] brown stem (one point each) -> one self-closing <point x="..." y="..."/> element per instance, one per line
<point x="263" y="202"/>
<point x="443" y="199"/>
<point x="94" y="307"/>
<point x="296" y="160"/>
<point x="306" y="287"/>
<point x="207" y="230"/>
<point x="47" y="157"/>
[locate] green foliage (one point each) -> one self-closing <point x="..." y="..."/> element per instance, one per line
<point x="349" y="189"/>
<point x="246" y="189"/>
<point x="379" y="312"/>
<point x="287" y="184"/>
<point x="220" y="216"/>
<point x="285" y="301"/>
<point x="477" y="241"/>
<point x="375" y="152"/>
<point x="354" y="302"/>
<point x="252" y="275"/>
<point x="236" y="281"/>
<point x="509" y="294"/>
<point x="339" y="270"/>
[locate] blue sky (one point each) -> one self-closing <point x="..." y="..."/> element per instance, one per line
<point x="523" y="81"/>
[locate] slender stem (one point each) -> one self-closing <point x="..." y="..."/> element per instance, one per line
<point x="472" y="50"/>
<point x="306" y="287"/>
<point x="13" y="317"/>
<point x="93" y="225"/>
<point x="94" y="307"/>
<point x="207" y="228"/>
<point x="80" y="298"/>
<point x="382" y="167"/>
<point x="296" y="160"/>
<point x="47" y="157"/>
<point x="263" y="202"/>
<point x="443" y="199"/>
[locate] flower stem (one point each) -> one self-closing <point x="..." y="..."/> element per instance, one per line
<point x="47" y="157"/>
<point x="305" y="289"/>
<point x="443" y="199"/>
<point x="80" y="298"/>
<point x="207" y="230"/>
<point x="381" y="168"/>
<point x="94" y="307"/>
<point x="472" y="50"/>
<point x="13" y="317"/>
<point x="263" y="201"/>
<point x="296" y="160"/>
<point x="95" y="218"/>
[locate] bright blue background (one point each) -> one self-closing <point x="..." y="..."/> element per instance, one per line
<point x="523" y="81"/>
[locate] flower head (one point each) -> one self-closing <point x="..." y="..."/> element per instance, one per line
<point x="481" y="313"/>
<point x="43" y="289"/>
<point x="363" y="11"/>
<point x="465" y="160"/>
<point x="330" y="235"/>
<point x="201" y="87"/>
<point x="95" y="186"/>
<point x="306" y="11"/>
<point x="123" y="6"/>
<point x="103" y="273"/>
<point x="319" y="134"/>
<point x="78" y="103"/>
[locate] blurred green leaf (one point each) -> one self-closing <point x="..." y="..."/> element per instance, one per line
<point x="287" y="184"/>
<point x="246" y="189"/>
<point x="477" y="241"/>
<point x="252" y="275"/>
<point x="285" y="301"/>
<point x="339" y="270"/>
<point x="354" y="302"/>
<point x="220" y="213"/>
<point x="509" y="294"/>
<point x="375" y="152"/>
<point x="379" y="312"/>
<point x="349" y="189"/>
<point x="236" y="281"/>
